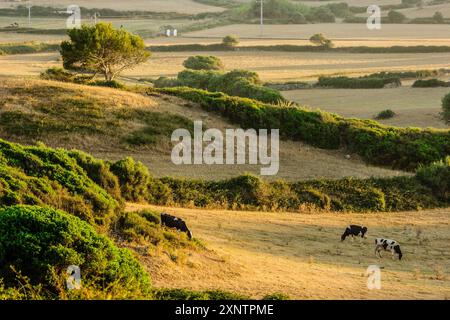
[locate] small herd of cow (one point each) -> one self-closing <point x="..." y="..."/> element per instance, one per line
<point x="352" y="230"/>
<point x="380" y="243"/>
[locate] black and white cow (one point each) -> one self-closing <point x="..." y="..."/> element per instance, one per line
<point x="354" y="231"/>
<point x="176" y="223"/>
<point x="388" y="245"/>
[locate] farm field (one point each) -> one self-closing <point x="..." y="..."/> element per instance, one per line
<point x="331" y="30"/>
<point x="271" y="66"/>
<point x="415" y="107"/>
<point x="184" y="6"/>
<point x="301" y="254"/>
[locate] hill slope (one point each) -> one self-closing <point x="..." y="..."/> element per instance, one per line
<point x="110" y="123"/>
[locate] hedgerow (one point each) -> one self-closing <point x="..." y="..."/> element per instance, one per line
<point x="402" y="148"/>
<point x="430" y="83"/>
<point x="357" y="83"/>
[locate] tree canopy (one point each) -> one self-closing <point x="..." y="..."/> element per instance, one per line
<point x="101" y="49"/>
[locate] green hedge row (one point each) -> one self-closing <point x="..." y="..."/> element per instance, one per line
<point x="251" y="193"/>
<point x="300" y="48"/>
<point x="357" y="83"/>
<point x="25" y="48"/>
<point x="430" y="83"/>
<point x="402" y="148"/>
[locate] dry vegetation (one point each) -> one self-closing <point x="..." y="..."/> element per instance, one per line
<point x="301" y="254"/>
<point x="415" y="107"/>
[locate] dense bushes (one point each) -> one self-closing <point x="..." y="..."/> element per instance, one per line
<point x="251" y="193"/>
<point x="403" y="148"/>
<point x="42" y="242"/>
<point x="446" y="108"/>
<point x="44" y="176"/>
<point x="385" y="114"/>
<point x="203" y="63"/>
<point x="430" y="83"/>
<point x="437" y="177"/>
<point x="357" y="83"/>
<point x="25" y="48"/>
<point x="239" y="83"/>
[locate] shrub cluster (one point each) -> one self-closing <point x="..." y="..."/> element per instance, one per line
<point x="239" y="83"/>
<point x="203" y="63"/>
<point x="45" y="176"/>
<point x="430" y="83"/>
<point x="357" y="83"/>
<point x="446" y="108"/>
<point x="251" y="193"/>
<point x="403" y="148"/>
<point x="42" y="243"/>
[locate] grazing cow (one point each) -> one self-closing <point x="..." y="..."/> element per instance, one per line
<point x="176" y="223"/>
<point x="388" y="245"/>
<point x="353" y="231"/>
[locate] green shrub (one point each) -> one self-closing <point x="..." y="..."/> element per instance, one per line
<point x="184" y="294"/>
<point x="446" y="108"/>
<point x="276" y="296"/>
<point x="396" y="17"/>
<point x="357" y="83"/>
<point x="111" y="84"/>
<point x="430" y="83"/>
<point x="133" y="178"/>
<point x="385" y="114"/>
<point x="203" y="63"/>
<point x="41" y="175"/>
<point x="41" y="242"/>
<point x="239" y="83"/>
<point x="57" y="74"/>
<point x="437" y="177"/>
<point x="230" y="41"/>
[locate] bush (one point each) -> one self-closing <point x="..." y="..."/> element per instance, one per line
<point x="437" y="177"/>
<point x="184" y="294"/>
<point x="276" y="296"/>
<point x="446" y="108"/>
<point x="320" y="40"/>
<point x="385" y="114"/>
<point x="57" y="74"/>
<point x="133" y="178"/>
<point x="239" y="83"/>
<point x="430" y="83"/>
<point x="45" y="176"/>
<point x="396" y="17"/>
<point x="203" y="63"/>
<point x="357" y="83"/>
<point x="42" y="242"/>
<point x="230" y="41"/>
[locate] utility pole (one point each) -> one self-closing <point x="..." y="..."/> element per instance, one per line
<point x="29" y="5"/>
<point x="262" y="19"/>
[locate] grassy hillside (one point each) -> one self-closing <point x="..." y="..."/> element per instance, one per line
<point x="109" y="123"/>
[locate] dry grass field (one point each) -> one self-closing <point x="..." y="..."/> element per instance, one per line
<point x="271" y="66"/>
<point x="415" y="107"/>
<point x="301" y="255"/>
